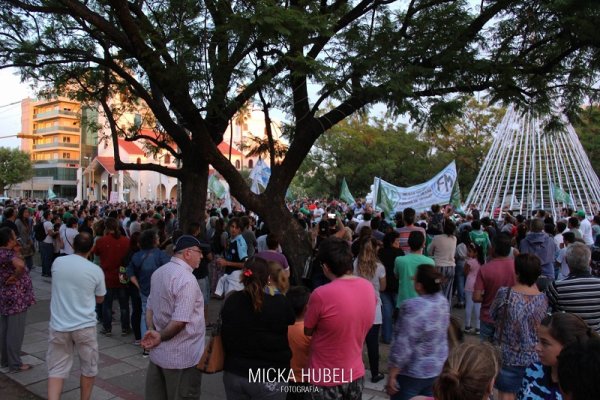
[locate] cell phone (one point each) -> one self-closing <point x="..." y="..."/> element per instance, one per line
<point x="331" y="216"/>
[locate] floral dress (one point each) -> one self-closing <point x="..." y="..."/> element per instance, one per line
<point x="18" y="297"/>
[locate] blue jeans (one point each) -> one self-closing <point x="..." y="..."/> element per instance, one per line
<point x="459" y="281"/>
<point x="143" y="324"/>
<point x="486" y="332"/>
<point x="411" y="387"/>
<point x="47" y="253"/>
<point x="388" y="301"/>
<point x="121" y="295"/>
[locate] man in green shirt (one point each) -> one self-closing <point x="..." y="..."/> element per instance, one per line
<point x="405" y="267"/>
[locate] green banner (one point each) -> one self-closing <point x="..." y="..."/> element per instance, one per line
<point x="345" y="194"/>
<point x="560" y="195"/>
<point x="215" y="186"/>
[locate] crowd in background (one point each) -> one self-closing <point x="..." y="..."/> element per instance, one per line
<point x="528" y="284"/>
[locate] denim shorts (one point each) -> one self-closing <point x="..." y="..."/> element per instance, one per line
<point x="509" y="379"/>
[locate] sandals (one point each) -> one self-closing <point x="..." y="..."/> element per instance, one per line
<point x="22" y="368"/>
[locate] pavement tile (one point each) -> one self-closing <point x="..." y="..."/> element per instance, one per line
<point x="116" y="370"/>
<point x="41" y="355"/>
<point x="97" y="394"/>
<point x="36" y="374"/>
<point x="137" y="360"/>
<point x="105" y="342"/>
<point x="41" y="388"/>
<point x="35" y="336"/>
<point x="122" y="351"/>
<point x="129" y="386"/>
<point x="35" y="347"/>
<point x="32" y="360"/>
<point x="39" y="326"/>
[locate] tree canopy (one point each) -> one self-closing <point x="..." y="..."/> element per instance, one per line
<point x="195" y="63"/>
<point x="15" y="167"/>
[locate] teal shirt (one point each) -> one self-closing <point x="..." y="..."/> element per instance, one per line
<point x="405" y="268"/>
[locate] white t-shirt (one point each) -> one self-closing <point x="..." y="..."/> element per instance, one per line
<point x="379" y="274"/>
<point x="68" y="236"/>
<point x="48" y="227"/>
<point x="586" y="231"/>
<point x="75" y="284"/>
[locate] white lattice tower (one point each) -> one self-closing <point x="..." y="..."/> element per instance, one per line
<point x="524" y="162"/>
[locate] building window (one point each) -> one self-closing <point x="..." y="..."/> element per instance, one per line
<point x="66" y="155"/>
<point x="250" y="163"/>
<point x="237" y="164"/>
<point x="66" y="139"/>
<point x="167" y="159"/>
<point x="138" y="161"/>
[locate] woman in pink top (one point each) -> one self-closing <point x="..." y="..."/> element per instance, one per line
<point x="475" y="259"/>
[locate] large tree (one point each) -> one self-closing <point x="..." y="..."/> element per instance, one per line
<point x="15" y="167"/>
<point x="195" y="63"/>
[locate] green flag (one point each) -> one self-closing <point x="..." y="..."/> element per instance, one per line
<point x="384" y="201"/>
<point x="560" y="195"/>
<point x="345" y="193"/>
<point x="215" y="186"/>
<point x="51" y="194"/>
<point x="455" y="200"/>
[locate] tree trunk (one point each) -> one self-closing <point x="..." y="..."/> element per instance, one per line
<point x="194" y="186"/>
<point x="294" y="240"/>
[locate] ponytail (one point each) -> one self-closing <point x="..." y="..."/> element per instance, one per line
<point x="255" y="275"/>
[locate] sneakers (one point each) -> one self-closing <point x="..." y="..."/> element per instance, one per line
<point x="125" y="332"/>
<point x="468" y="330"/>
<point x="145" y="353"/>
<point x="377" y="378"/>
<point x="105" y="332"/>
<point x="137" y="342"/>
<point x="476" y="331"/>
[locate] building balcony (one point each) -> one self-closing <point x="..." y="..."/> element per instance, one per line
<point x="58" y="161"/>
<point x="56" y="145"/>
<point x="54" y="114"/>
<point x="56" y="129"/>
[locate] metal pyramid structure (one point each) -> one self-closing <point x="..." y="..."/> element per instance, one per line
<point x="528" y="169"/>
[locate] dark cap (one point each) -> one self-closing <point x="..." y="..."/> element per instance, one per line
<point x="187" y="241"/>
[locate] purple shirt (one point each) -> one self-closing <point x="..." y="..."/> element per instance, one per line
<point x="18" y="297"/>
<point x="271" y="255"/>
<point x="176" y="296"/>
<point x="420" y="345"/>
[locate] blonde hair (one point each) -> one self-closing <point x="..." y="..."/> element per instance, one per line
<point x="367" y="259"/>
<point x="468" y="373"/>
<point x="278" y="277"/>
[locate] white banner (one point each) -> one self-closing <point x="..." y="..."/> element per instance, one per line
<point x="437" y="190"/>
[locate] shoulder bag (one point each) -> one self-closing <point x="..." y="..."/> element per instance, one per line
<point x="213" y="359"/>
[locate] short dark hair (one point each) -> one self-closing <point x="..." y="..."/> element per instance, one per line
<point x="579" y="369"/>
<point x="476" y="224"/>
<point x="9" y="212"/>
<point x="298" y="297"/>
<point x="272" y="241"/>
<point x="449" y="227"/>
<point x="574" y="222"/>
<point x="569" y="237"/>
<point x="408" y="215"/>
<point x="528" y="268"/>
<point x="416" y="240"/>
<point x="147" y="239"/>
<point x="72" y="221"/>
<point x="335" y="252"/>
<point x="388" y="238"/>
<point x="83" y="243"/>
<point x="502" y="244"/>
<point x="5" y="235"/>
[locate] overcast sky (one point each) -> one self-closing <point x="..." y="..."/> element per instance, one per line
<point x="11" y="91"/>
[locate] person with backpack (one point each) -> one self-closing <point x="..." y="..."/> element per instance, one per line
<point x="44" y="233"/>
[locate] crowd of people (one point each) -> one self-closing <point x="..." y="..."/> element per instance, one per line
<point x="528" y="286"/>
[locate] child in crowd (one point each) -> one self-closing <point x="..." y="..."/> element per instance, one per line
<point x="475" y="259"/>
<point x="299" y="342"/>
<point x="278" y="280"/>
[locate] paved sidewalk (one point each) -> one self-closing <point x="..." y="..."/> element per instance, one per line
<point x="122" y="369"/>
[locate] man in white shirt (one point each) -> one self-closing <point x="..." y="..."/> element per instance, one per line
<point x="77" y="286"/>
<point x="585" y="227"/>
<point x="68" y="236"/>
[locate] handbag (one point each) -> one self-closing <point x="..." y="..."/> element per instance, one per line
<point x="213" y="359"/>
<point x="502" y="322"/>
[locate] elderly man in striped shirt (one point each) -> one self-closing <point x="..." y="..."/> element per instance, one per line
<point x="175" y="320"/>
<point x="579" y="293"/>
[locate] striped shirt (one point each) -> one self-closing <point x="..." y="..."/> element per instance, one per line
<point x="578" y="294"/>
<point x="176" y="296"/>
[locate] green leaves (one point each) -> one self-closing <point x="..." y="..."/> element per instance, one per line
<point x="15" y="167"/>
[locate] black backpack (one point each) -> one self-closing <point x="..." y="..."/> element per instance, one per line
<point x="39" y="232"/>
